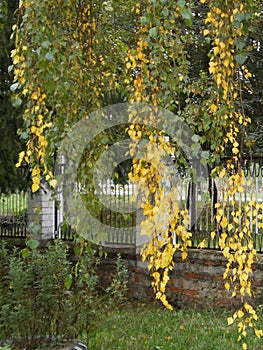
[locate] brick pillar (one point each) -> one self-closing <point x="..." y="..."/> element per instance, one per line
<point x="41" y="214"/>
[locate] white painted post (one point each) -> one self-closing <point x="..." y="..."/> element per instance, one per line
<point x="41" y="212"/>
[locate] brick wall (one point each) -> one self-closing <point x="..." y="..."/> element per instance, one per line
<point x="195" y="281"/>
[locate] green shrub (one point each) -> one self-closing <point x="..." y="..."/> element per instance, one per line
<point x="49" y="295"/>
<point x="116" y="292"/>
<point x="5" y="347"/>
<point x="44" y="295"/>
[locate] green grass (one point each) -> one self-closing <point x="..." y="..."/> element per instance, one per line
<point x="151" y="327"/>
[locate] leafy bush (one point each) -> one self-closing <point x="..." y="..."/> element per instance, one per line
<point x="48" y="295"/>
<point x="44" y="295"/>
<point x="116" y="292"/>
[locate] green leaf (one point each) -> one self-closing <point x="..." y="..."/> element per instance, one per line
<point x="43" y="64"/>
<point x="33" y="244"/>
<point x="144" y="21"/>
<point x="16" y="101"/>
<point x="187" y="15"/>
<point x="25" y="253"/>
<point x="153" y="32"/>
<point x="240" y="17"/>
<point x="49" y="56"/>
<point x="195" y="138"/>
<point x="165" y="12"/>
<point x="68" y="281"/>
<point x="205" y="155"/>
<point x="241" y="58"/>
<point x="237" y="24"/>
<point x="45" y="44"/>
<point x="181" y="3"/>
<point x="240" y="45"/>
<point x="49" y="85"/>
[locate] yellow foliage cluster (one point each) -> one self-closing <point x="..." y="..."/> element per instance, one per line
<point x="235" y="236"/>
<point x="37" y="143"/>
<point x="160" y="206"/>
<point x="224" y="67"/>
<point x="236" y="243"/>
<point x="235" y="239"/>
<point x="70" y="78"/>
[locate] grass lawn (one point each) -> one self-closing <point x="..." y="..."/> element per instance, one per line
<point x="151" y="327"/>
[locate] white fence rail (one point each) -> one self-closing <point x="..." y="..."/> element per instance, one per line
<point x="118" y="210"/>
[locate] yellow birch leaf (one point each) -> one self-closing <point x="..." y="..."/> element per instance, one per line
<point x="244" y="346"/>
<point x="216" y="50"/>
<point x="166" y="279"/>
<point x="224" y="222"/>
<point x="35" y="171"/>
<point x="258" y="333"/>
<point x="218" y="218"/>
<point x="21" y="157"/>
<point x="227" y="286"/>
<point x="47" y="125"/>
<point x="213" y="234"/>
<point x="230" y="227"/>
<point x="35" y="187"/>
<point x="16" y="59"/>
<point x="158" y="295"/>
<point x="184" y="255"/>
<point x="213" y="108"/>
<point x="162" y="287"/>
<point x="235" y="150"/>
<point x="53" y="183"/>
<point x="230" y="320"/>
<point x="226" y="62"/>
<point x="222" y="173"/>
<point x="201" y="245"/>
<point x="165" y="302"/>
<point x="240" y="314"/>
<point x="35" y="96"/>
<point x="33" y="129"/>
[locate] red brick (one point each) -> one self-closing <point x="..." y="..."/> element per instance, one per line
<point x="193" y="275"/>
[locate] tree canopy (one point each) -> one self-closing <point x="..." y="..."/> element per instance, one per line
<point x="76" y="52"/>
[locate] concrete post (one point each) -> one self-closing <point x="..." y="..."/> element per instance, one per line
<point x="41" y="214"/>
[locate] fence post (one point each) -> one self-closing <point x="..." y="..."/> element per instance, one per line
<point x="41" y="210"/>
